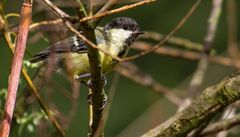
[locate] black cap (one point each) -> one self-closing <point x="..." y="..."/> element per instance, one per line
<point x="125" y="23"/>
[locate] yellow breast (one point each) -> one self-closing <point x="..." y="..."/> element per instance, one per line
<point x="78" y="64"/>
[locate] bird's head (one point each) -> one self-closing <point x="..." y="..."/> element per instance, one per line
<point x="123" y="29"/>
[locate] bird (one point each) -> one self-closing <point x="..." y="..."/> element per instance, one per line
<point x="116" y="37"/>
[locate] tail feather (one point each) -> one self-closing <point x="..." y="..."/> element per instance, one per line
<point x="39" y="57"/>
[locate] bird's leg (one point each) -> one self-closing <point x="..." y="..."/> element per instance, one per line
<point x="83" y="78"/>
<point x="87" y="76"/>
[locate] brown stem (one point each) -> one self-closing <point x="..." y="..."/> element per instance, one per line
<point x="25" y="20"/>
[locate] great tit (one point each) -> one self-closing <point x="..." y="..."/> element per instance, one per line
<point x="115" y="37"/>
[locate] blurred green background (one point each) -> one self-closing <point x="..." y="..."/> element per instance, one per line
<point x="135" y="109"/>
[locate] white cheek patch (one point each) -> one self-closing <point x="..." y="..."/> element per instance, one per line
<point x="118" y="39"/>
<point x="121" y="34"/>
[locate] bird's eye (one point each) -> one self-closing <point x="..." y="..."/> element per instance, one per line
<point x="125" y="27"/>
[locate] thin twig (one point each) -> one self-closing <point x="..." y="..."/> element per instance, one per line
<point x="199" y="74"/>
<point x="36" y="25"/>
<point x="221" y="126"/>
<point x="229" y="112"/>
<point x="189" y="55"/>
<point x="11" y="15"/>
<point x="56" y="9"/>
<point x="109" y="5"/>
<point x="178" y="26"/>
<point x="106" y="13"/>
<point x="178" y="41"/>
<point x="25" y="20"/>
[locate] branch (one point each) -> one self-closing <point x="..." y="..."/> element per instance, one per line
<point x="25" y="20"/>
<point x="211" y="101"/>
<point x="96" y="91"/>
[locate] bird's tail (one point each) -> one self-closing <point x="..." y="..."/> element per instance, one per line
<point x="39" y="57"/>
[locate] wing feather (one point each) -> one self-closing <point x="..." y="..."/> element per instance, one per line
<point x="71" y="44"/>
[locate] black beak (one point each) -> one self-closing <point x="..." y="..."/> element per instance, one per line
<point x="138" y="32"/>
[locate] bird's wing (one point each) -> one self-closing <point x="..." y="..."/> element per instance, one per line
<point x="71" y="44"/>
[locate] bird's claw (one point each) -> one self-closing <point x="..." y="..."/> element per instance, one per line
<point x="104" y="101"/>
